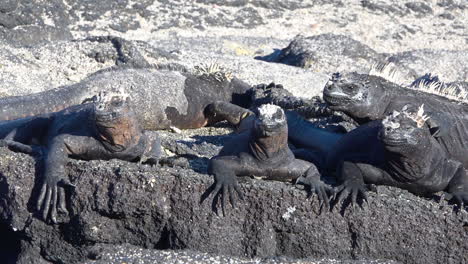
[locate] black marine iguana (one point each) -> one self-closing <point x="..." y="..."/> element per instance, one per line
<point x="366" y="97"/>
<point x="106" y="129"/>
<point x="313" y="143"/>
<point x="260" y="150"/>
<point x="164" y="98"/>
<point x="398" y="151"/>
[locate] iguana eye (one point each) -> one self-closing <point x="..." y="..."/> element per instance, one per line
<point x="278" y="115"/>
<point x="116" y="103"/>
<point x="351" y="88"/>
<point x="408" y="127"/>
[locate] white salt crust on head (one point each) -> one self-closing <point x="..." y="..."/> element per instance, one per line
<point x="389" y="120"/>
<point x="419" y="118"/>
<point x="267" y="113"/>
<point x="105" y="97"/>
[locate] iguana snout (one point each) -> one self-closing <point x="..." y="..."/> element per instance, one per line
<point x="340" y="93"/>
<point x="404" y="128"/>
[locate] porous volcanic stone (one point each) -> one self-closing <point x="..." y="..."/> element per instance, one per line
<point x="118" y="202"/>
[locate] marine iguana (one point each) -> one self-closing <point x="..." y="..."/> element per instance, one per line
<point x="312" y="143"/>
<point x="366" y="98"/>
<point x="106" y="129"/>
<point x="398" y="151"/>
<point x="260" y="150"/>
<point x="163" y="97"/>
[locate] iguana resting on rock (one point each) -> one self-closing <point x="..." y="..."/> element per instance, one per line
<point x="366" y="97"/>
<point x="106" y="129"/>
<point x="163" y="98"/>
<point x="312" y="143"/>
<point x="260" y="150"/>
<point x="398" y="151"/>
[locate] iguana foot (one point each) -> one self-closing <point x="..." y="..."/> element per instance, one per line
<point x="52" y="199"/>
<point x="23" y="148"/>
<point x="315" y="185"/>
<point x="460" y="198"/>
<point x="222" y="189"/>
<point x="353" y="188"/>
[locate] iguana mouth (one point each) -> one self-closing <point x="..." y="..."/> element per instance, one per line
<point x="336" y="100"/>
<point x="106" y="116"/>
<point x="393" y="141"/>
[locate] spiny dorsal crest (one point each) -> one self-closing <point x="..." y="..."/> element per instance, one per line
<point x="420" y="118"/>
<point x="388" y="71"/>
<point x="104" y="97"/>
<point x="453" y="92"/>
<point x="213" y="70"/>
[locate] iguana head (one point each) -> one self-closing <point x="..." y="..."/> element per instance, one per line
<point x="357" y="95"/>
<point x="270" y="120"/>
<point x="270" y="132"/>
<point x="115" y="120"/>
<point x="405" y="132"/>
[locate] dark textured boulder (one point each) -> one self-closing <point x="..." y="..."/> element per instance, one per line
<point x="331" y="53"/>
<point x="327" y="53"/>
<point x="27" y="22"/>
<point x="118" y="202"/>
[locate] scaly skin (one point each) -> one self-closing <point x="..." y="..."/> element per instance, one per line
<point x="104" y="130"/>
<point x="313" y="143"/>
<point x="366" y="98"/>
<point x="396" y="152"/>
<point x="163" y="98"/>
<point x="260" y="150"/>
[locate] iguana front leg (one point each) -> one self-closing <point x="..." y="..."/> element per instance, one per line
<point x="309" y="176"/>
<point x="311" y="179"/>
<point x="219" y="111"/>
<point x="52" y="196"/>
<point x="458" y="188"/>
<point x="152" y="152"/>
<point x="224" y="171"/>
<point x="23" y="148"/>
<point x="351" y="177"/>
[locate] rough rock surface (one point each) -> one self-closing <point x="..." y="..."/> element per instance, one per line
<point x="48" y="66"/>
<point x="130" y="254"/>
<point x="386" y="26"/>
<point x="231" y="33"/>
<point x="119" y="202"/>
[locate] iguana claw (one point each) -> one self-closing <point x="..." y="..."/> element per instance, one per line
<point x="459" y="198"/>
<point x="353" y="189"/>
<point x="223" y="189"/>
<point x="316" y="186"/>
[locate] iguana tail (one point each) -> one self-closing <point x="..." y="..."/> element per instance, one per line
<point x="304" y="134"/>
<point x="54" y="100"/>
